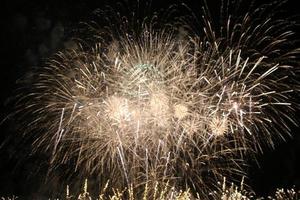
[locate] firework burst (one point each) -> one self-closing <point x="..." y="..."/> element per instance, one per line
<point x="252" y="74"/>
<point x="152" y="106"/>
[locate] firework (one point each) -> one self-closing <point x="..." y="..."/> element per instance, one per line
<point x="150" y="106"/>
<point x="251" y="75"/>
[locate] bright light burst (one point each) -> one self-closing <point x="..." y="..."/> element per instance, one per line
<point x="152" y="106"/>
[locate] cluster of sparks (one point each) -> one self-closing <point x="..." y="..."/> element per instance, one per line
<point x="155" y="107"/>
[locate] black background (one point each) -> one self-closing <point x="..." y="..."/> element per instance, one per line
<point x="33" y="30"/>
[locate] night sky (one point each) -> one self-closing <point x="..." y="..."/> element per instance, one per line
<point x="34" y="30"/>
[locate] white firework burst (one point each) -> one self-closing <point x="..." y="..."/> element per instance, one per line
<point x="152" y="106"/>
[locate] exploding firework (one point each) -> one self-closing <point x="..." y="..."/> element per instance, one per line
<point x="153" y="106"/>
<point x="251" y="78"/>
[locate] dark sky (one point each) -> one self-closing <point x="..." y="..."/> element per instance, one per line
<point x="33" y="30"/>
